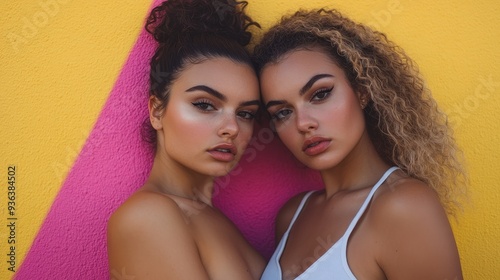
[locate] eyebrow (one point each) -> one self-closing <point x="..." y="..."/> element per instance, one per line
<point x="221" y="96"/>
<point x="311" y="82"/>
<point x="208" y="90"/>
<point x="250" y="103"/>
<point x="274" y="103"/>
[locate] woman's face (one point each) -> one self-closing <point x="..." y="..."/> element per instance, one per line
<point x="316" y="112"/>
<point x="208" y="120"/>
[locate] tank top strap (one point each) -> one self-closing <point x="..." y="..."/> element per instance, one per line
<point x="368" y="199"/>
<point x="299" y="209"/>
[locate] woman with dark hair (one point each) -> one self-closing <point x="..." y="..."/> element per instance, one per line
<point x="204" y="96"/>
<point x="351" y="104"/>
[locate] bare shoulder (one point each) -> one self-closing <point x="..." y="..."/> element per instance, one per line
<point x="404" y="204"/>
<point x="405" y="197"/>
<point x="150" y="238"/>
<point x="413" y="235"/>
<point x="286" y="213"/>
<point x="144" y="209"/>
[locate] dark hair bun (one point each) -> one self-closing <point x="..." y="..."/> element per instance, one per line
<point x="175" y="19"/>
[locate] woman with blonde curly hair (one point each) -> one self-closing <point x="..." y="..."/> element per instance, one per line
<point x="351" y="104"/>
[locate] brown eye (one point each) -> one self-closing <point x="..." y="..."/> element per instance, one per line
<point x="246" y="115"/>
<point x="321" y="94"/>
<point x="281" y="114"/>
<point x="204" y="106"/>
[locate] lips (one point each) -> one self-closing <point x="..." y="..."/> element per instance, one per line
<point x="223" y="152"/>
<point x="315" y="145"/>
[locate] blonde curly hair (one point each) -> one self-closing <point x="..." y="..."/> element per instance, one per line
<point x="403" y="120"/>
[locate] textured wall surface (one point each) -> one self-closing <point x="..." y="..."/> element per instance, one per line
<point x="73" y="94"/>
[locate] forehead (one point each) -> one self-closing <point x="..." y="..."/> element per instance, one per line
<point x="296" y="68"/>
<point x="222" y="74"/>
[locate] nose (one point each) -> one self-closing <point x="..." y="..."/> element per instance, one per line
<point x="229" y="127"/>
<point x="305" y="122"/>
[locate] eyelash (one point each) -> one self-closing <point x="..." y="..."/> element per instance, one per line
<point x="326" y="91"/>
<point x="207" y="106"/>
<point x="204" y="105"/>
<point x="248" y="115"/>
<point x="275" y="116"/>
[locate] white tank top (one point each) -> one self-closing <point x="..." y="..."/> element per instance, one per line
<point x="333" y="263"/>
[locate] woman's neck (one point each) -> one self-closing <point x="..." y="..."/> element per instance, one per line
<point x="361" y="168"/>
<point x="172" y="178"/>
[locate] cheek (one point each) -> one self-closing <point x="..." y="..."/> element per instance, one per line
<point x="346" y="119"/>
<point x="182" y="121"/>
<point x="245" y="132"/>
<point x="289" y="135"/>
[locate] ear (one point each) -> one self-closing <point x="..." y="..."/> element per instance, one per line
<point x="155" y="112"/>
<point x="364" y="99"/>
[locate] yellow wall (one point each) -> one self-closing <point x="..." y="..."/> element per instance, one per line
<point x="56" y="77"/>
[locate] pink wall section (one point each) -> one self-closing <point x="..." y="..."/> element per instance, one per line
<point x="71" y="244"/>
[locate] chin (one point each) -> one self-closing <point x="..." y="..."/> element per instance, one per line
<point x="218" y="174"/>
<point x="320" y="165"/>
<point x="222" y="171"/>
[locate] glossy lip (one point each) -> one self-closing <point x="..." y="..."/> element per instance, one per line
<point x="315" y="145"/>
<point x="223" y="156"/>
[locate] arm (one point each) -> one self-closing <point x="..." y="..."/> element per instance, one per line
<point x="148" y="238"/>
<point x="416" y="240"/>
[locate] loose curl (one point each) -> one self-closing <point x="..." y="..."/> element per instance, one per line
<point x="403" y="120"/>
